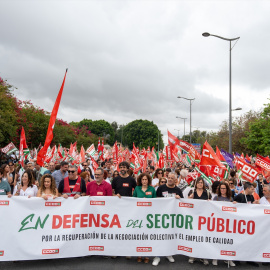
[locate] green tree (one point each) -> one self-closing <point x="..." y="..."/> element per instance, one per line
<point x="8" y="115"/>
<point x="257" y="138"/>
<point x="101" y="128"/>
<point x="143" y="133"/>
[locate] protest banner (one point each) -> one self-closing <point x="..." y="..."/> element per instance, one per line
<point x="39" y="229"/>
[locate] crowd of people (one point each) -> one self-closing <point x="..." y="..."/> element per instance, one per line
<point x="69" y="180"/>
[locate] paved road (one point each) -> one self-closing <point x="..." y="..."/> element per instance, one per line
<point x="120" y="263"/>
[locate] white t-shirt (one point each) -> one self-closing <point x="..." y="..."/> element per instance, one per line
<point x="263" y="200"/>
<point x="154" y="182"/>
<point x="30" y="191"/>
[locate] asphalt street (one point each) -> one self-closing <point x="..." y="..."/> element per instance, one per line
<point x="119" y="263"/>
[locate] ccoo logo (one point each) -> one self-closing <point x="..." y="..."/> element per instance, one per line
<point x="50" y="251"/>
<point x="4" y="202"/>
<point x="144" y="203"/>
<point x="97" y="202"/>
<point x="266" y="255"/>
<point x="96" y="248"/>
<point x="187" y="249"/>
<point x="144" y="249"/>
<point x="1" y="252"/>
<point x="187" y="205"/>
<point x="267" y="211"/>
<point x="228" y="253"/>
<point x="229" y="209"/>
<point x="52" y="203"/>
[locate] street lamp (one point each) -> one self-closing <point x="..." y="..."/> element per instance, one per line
<point x="184" y="124"/>
<point x="178" y="132"/>
<point x="190" y="99"/>
<point x="230" y="85"/>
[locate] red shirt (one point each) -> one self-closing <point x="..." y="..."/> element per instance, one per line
<point x="104" y="189"/>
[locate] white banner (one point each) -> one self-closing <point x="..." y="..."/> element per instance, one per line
<point x="37" y="229"/>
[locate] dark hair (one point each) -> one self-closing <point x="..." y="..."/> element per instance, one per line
<point x="177" y="171"/>
<point x="63" y="163"/>
<point x="103" y="172"/>
<point x="233" y="180"/>
<point x="215" y="186"/>
<point x="168" y="169"/>
<point x="157" y="171"/>
<point x="228" y="190"/>
<point x="102" y="164"/>
<point x="30" y="177"/>
<point x="247" y="185"/>
<point x="152" y="167"/>
<point x="162" y="178"/>
<point x="200" y="179"/>
<point x="124" y="164"/>
<point x="139" y="180"/>
<point x="114" y="173"/>
<point x="232" y="173"/>
<point x="57" y="167"/>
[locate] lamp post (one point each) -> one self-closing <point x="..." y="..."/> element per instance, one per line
<point x="230" y="85"/>
<point x="190" y="99"/>
<point x="178" y="132"/>
<point x="184" y="124"/>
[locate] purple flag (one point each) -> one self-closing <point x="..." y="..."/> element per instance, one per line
<point x="228" y="157"/>
<point x="237" y="155"/>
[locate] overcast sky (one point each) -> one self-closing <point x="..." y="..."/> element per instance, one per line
<point x="130" y="60"/>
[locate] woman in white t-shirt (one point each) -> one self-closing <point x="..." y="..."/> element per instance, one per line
<point x="26" y="187"/>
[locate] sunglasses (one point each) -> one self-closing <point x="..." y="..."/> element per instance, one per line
<point x="71" y="171"/>
<point x="163" y="182"/>
<point x="160" y="173"/>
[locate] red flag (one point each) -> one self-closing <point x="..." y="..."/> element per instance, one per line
<point x="209" y="157"/>
<point x="172" y="140"/>
<point x="219" y="155"/>
<point x="49" y="136"/>
<point x="82" y="154"/>
<point x="23" y="145"/>
<point x="249" y="173"/>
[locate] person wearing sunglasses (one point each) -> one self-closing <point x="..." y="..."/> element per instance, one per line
<point x="73" y="185"/>
<point x="157" y="176"/>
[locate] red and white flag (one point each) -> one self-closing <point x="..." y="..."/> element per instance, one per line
<point x="23" y="145"/>
<point x="49" y="136"/>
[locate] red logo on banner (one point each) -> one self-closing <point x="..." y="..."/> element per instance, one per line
<point x="144" y="249"/>
<point x="267" y="211"/>
<point x="97" y="202"/>
<point x="1" y="252"/>
<point x="228" y="253"/>
<point x="187" y="249"/>
<point x="144" y="204"/>
<point x="96" y="248"/>
<point x="266" y="255"/>
<point x="52" y="203"/>
<point x="4" y="202"/>
<point x="50" y="251"/>
<point x="229" y="209"/>
<point x="187" y="205"/>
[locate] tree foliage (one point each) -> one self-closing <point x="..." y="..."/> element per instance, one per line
<point x="143" y="133"/>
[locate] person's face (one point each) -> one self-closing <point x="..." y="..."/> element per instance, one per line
<point x="171" y="180"/>
<point x="98" y="176"/>
<point x="30" y="166"/>
<point x="250" y="190"/>
<point x="231" y="184"/>
<point x="144" y="181"/>
<point x="84" y="165"/>
<point x="163" y="181"/>
<point x="123" y="170"/>
<point x="266" y="192"/>
<point x="65" y="168"/>
<point x="51" y="166"/>
<point x="47" y="182"/>
<point x="200" y="184"/>
<point x="11" y="166"/>
<point x="7" y="168"/>
<point x="147" y="170"/>
<point x="159" y="174"/>
<point x="223" y="189"/>
<point x="46" y="166"/>
<point x="167" y="173"/>
<point x="25" y="179"/>
<point x="99" y="162"/>
<point x="108" y="165"/>
<point x="72" y="173"/>
<point x="87" y="177"/>
<point x="115" y="174"/>
<point x="260" y="177"/>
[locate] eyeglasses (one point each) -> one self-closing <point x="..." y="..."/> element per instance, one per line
<point x="160" y="173"/>
<point x="231" y="183"/>
<point x="162" y="182"/>
<point x="85" y="165"/>
<point x="71" y="171"/>
<point x="97" y="174"/>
